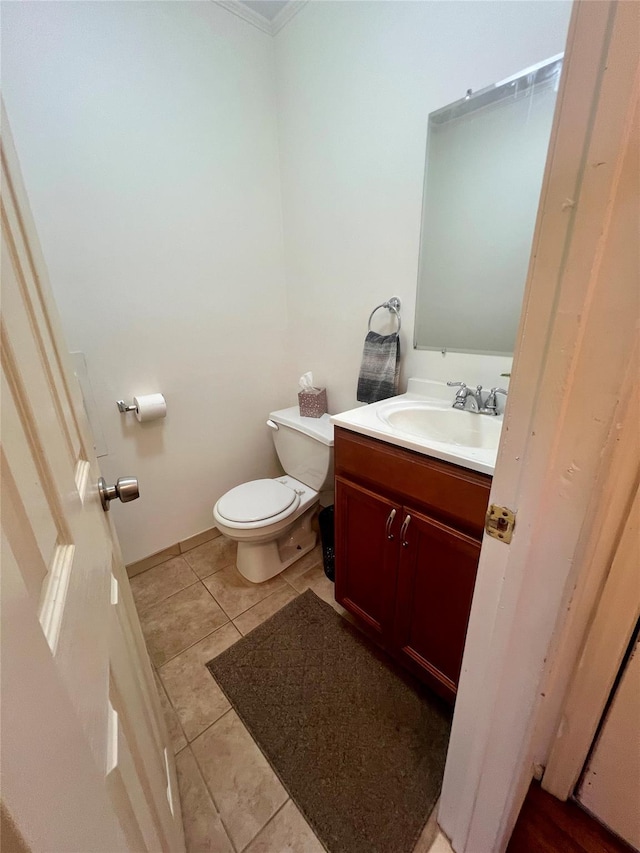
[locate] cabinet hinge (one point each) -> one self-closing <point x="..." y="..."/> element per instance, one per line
<point x="500" y="522"/>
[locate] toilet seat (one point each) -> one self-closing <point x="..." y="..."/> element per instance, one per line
<point x="256" y="503"/>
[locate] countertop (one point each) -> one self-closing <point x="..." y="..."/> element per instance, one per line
<point x="366" y="421"/>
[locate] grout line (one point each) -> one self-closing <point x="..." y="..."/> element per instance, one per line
<point x="208" y="789"/>
<point x="273" y="816"/>
<point x="211" y="797"/>
<point x="160" y="685"/>
<point x="230" y="708"/>
<point x="206" y="636"/>
<point x="214" y="572"/>
<point x="216" y="600"/>
<point x="262" y="600"/>
<point x="141" y="613"/>
<point x="231" y="618"/>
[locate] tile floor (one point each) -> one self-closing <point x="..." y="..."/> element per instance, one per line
<point x="192" y="607"/>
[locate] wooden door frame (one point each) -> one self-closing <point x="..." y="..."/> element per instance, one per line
<point x="600" y="659"/>
<point x="572" y="376"/>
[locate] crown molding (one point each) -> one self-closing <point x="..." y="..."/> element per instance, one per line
<point x="256" y="20"/>
<point x="285" y="15"/>
<point x="247" y="14"/>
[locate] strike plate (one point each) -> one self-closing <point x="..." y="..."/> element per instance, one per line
<point x="500" y="522"/>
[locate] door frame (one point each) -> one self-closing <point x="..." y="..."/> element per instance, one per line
<point x="573" y="370"/>
<point x="601" y="657"/>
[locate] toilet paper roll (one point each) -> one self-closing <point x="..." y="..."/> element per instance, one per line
<point x="150" y="407"/>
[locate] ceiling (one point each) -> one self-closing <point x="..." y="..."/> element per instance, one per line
<point x="267" y="15"/>
<point x="267" y="8"/>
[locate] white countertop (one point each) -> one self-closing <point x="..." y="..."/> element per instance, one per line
<point x="366" y="421"/>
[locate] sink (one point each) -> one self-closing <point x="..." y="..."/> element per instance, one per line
<point x="423" y="420"/>
<point x="441" y="423"/>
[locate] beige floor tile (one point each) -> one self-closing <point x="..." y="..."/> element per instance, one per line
<point x="303" y="564"/>
<point x="235" y="594"/>
<point x="212" y="556"/>
<point x="429" y="833"/>
<point x="159" y="583"/>
<point x="176" y="735"/>
<point x="257" y="614"/>
<point x="246" y="791"/>
<point x="180" y="621"/>
<point x="203" y="829"/>
<point x="441" y="845"/>
<point x="287" y="832"/>
<point x="316" y="580"/>
<point x="192" y="689"/>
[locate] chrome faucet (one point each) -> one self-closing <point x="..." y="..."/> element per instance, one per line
<point x="464" y="394"/>
<point x="472" y="401"/>
<point x="491" y="405"/>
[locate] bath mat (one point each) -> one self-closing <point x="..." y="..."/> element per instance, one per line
<point x="358" y="744"/>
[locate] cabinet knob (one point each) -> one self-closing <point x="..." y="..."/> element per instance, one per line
<point x="392" y="515"/>
<point x="403" y="531"/>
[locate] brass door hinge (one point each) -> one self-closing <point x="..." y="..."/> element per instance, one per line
<point x="500" y="522"/>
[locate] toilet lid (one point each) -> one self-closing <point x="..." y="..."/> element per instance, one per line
<point x="256" y="501"/>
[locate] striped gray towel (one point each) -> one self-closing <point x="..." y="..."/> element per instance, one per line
<point x="380" y="367"/>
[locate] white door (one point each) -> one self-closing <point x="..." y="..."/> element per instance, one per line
<point x="86" y="762"/>
<point x="610" y="786"/>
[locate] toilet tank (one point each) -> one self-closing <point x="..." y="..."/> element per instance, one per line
<point x="304" y="446"/>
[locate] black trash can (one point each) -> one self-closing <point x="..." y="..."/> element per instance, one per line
<point x="327" y="535"/>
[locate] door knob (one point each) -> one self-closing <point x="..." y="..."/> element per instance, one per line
<point x="126" y="489"/>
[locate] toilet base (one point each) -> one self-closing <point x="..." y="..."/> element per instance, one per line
<point x="260" y="561"/>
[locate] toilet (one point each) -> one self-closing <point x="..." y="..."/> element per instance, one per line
<point x="271" y="519"/>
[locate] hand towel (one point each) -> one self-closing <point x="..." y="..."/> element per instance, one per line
<point x="380" y="368"/>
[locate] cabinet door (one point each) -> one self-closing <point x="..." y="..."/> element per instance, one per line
<point x="437" y="573"/>
<point x="367" y="528"/>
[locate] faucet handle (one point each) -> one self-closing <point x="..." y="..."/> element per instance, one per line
<point x="491" y="403"/>
<point x="461" y="395"/>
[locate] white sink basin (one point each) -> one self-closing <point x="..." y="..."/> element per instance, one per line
<point x="423" y="420"/>
<point x="445" y="425"/>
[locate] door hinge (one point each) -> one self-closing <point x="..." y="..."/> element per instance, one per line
<point x="500" y="522"/>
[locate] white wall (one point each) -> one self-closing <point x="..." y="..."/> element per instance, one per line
<point x="356" y="82"/>
<point x="155" y="154"/>
<point x="148" y="140"/>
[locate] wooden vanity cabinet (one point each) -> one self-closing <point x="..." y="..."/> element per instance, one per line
<point x="411" y="581"/>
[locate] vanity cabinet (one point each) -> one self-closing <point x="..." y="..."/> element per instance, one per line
<point x="408" y="533"/>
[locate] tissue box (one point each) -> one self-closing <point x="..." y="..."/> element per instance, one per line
<point x="313" y="404"/>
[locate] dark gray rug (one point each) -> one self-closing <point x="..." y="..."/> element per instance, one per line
<point x="359" y="746"/>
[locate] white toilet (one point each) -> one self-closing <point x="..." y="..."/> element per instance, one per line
<point x="271" y="519"/>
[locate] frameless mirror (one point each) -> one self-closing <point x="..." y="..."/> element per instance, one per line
<point x="485" y="161"/>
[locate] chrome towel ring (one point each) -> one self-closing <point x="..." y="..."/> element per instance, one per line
<point x="392" y="305"/>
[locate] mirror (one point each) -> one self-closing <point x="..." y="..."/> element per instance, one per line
<point x="485" y="161"/>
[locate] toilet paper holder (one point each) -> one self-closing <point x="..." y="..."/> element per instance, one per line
<point x="146" y="407"/>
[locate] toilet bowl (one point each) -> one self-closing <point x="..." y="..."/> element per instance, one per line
<point x="270" y="519"/>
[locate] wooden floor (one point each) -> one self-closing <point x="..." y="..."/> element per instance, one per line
<point x="547" y="825"/>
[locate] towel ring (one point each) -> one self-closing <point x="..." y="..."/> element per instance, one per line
<point x="392" y="305"/>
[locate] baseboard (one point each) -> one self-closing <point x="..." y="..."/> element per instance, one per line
<point x="172" y="551"/>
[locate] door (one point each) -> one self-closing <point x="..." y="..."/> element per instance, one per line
<point x="610" y="786"/>
<point x="436" y="577"/>
<point x="85" y="761"/>
<point x="367" y="527"/>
